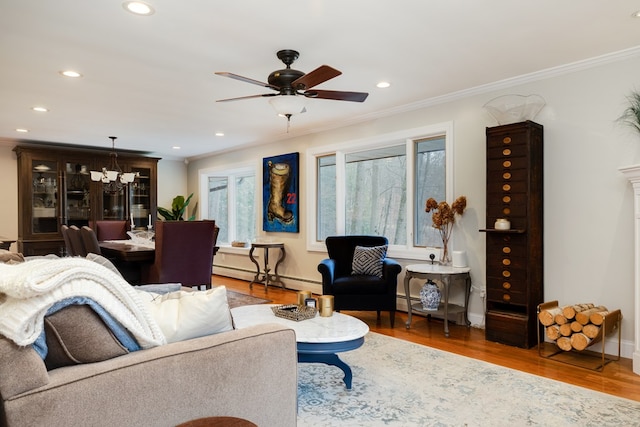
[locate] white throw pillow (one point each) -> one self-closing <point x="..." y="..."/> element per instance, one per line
<point x="183" y="315"/>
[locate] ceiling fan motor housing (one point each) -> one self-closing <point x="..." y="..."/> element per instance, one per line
<point x="283" y="79"/>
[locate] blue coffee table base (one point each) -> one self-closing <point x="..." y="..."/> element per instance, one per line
<point x="326" y="353"/>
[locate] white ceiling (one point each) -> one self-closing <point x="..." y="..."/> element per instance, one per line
<point x="150" y="79"/>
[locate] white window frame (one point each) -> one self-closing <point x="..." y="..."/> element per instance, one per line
<point x="230" y="172"/>
<point x="409" y="136"/>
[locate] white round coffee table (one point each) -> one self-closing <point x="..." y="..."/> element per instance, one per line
<point x="318" y="339"/>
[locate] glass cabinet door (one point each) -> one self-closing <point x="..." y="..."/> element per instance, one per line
<point x="77" y="195"/>
<point x="114" y="204"/>
<point x="44" y="202"/>
<point x="140" y="198"/>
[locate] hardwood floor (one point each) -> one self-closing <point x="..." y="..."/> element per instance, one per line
<point x="617" y="378"/>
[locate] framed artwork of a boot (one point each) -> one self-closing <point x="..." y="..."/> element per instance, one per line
<point x="280" y="193"/>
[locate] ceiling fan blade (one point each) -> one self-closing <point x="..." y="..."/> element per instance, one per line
<point x="245" y="79"/>
<point x="247" y="97"/>
<point x="315" y="77"/>
<point x="337" y="95"/>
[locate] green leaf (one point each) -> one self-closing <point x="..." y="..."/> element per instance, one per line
<point x="166" y="214"/>
<point x="178" y="208"/>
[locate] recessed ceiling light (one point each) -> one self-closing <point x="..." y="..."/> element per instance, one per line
<point x="138" y="7"/>
<point x="40" y="109"/>
<point x="636" y="14"/>
<point x="175" y="147"/>
<point x="219" y="133"/>
<point x="22" y="130"/>
<point x="70" y="73"/>
<point x="383" y="85"/>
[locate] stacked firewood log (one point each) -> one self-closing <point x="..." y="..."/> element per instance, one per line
<point x="574" y="326"/>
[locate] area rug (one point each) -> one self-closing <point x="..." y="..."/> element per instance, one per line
<point x="398" y="383"/>
<point x="236" y="299"/>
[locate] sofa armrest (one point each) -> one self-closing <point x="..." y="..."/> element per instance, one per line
<point x="249" y="373"/>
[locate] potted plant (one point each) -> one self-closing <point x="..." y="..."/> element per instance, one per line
<point x="178" y="209"/>
<point x="631" y="115"/>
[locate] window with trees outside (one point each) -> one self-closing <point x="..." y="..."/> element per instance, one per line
<point x="380" y="186"/>
<point x="230" y="201"/>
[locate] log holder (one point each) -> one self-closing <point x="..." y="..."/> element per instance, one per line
<point x="587" y="359"/>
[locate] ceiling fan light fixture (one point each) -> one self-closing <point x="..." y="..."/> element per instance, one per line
<point x="288" y="105"/>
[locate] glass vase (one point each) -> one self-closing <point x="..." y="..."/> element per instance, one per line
<point x="445" y="258"/>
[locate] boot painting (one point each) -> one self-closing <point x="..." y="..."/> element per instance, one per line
<point x="280" y="193"/>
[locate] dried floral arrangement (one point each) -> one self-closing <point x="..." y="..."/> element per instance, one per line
<point x="443" y="218"/>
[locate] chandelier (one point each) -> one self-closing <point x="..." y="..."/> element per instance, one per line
<point x="113" y="179"/>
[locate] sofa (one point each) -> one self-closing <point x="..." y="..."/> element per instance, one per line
<point x="246" y="373"/>
<point x="65" y="361"/>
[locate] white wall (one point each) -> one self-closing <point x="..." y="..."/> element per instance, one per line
<point x="172" y="181"/>
<point x="588" y="238"/>
<point x="8" y="192"/>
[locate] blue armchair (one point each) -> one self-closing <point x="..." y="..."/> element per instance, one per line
<point x="358" y="291"/>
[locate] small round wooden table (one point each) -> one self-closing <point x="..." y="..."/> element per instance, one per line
<point x="218" y="422"/>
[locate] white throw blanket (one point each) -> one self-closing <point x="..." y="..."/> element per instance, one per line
<point x="29" y="289"/>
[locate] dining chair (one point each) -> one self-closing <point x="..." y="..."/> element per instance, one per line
<point x="75" y="238"/>
<point x="67" y="239"/>
<point x="90" y="240"/>
<point x="184" y="253"/>
<point x="359" y="275"/>
<point x="110" y="229"/>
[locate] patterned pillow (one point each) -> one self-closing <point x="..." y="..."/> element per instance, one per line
<point x="368" y="260"/>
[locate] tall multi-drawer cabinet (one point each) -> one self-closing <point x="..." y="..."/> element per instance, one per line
<point x="55" y="188"/>
<point x="515" y="256"/>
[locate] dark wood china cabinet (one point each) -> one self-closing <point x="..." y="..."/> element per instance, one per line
<point x="55" y="188"/>
<point x="514" y="265"/>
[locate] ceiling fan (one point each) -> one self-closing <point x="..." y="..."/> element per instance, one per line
<point x="292" y="86"/>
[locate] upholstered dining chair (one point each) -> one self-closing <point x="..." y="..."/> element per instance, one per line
<point x="184" y="253"/>
<point x="75" y="238"/>
<point x="90" y="240"/>
<point x="110" y="229"/>
<point x="67" y="240"/>
<point x="359" y="275"/>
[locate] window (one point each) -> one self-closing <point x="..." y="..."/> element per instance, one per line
<point x="380" y="186"/>
<point x="430" y="167"/>
<point x="230" y="201"/>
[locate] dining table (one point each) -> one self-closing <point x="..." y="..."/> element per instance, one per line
<point x="128" y="251"/>
<point x="129" y="258"/>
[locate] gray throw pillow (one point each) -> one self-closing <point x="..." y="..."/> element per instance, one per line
<point x="368" y="260"/>
<point x="75" y="335"/>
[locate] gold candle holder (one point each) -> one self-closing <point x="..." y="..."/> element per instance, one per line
<point x="303" y="295"/>
<point x="326" y="305"/>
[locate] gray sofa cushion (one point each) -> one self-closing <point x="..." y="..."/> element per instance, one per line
<point x="21" y="370"/>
